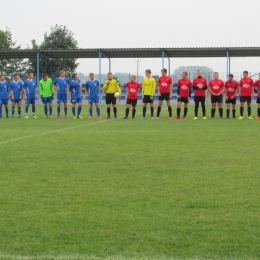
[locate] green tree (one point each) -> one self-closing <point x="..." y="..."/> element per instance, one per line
<point x="59" y="38"/>
<point x="10" y="66"/>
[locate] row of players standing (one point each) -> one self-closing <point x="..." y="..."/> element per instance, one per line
<point x="61" y="84"/>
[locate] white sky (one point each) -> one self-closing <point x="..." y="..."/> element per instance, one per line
<point x="141" y="23"/>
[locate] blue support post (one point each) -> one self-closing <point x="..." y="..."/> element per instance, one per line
<point x="99" y="76"/>
<point x="38" y="74"/>
<point x="162" y="59"/>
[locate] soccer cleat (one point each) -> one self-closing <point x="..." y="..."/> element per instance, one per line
<point x="26" y="117"/>
<point x="250" y="117"/>
<point x="143" y="118"/>
<point x="50" y="116"/>
<point x="57" y="117"/>
<point x="115" y="117"/>
<point x="35" y="117"/>
<point x="184" y="118"/>
<point x="12" y="116"/>
<point x="80" y="117"/>
<point x="74" y="117"/>
<point x="177" y="118"/>
<point x="204" y="118"/>
<point x="7" y="116"/>
<point x="258" y="118"/>
<point x="133" y="117"/>
<point x="108" y="117"/>
<point x="227" y="117"/>
<point x="240" y="118"/>
<point x="151" y="117"/>
<point x="212" y="117"/>
<point x="66" y="117"/>
<point x="90" y="117"/>
<point x="171" y="118"/>
<point x="45" y="117"/>
<point x="19" y="116"/>
<point x="99" y="117"/>
<point x="125" y="117"/>
<point x="157" y="117"/>
<point x="195" y="118"/>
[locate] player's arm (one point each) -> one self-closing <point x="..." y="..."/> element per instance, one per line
<point x="194" y="87"/>
<point x="36" y="92"/>
<point x="105" y="86"/>
<point x="226" y="92"/>
<point x="24" y="91"/>
<point x="98" y="86"/>
<point x="70" y="90"/>
<point x="223" y="89"/>
<point x="205" y="86"/>
<point x="54" y="85"/>
<point x="210" y="91"/>
<point x="10" y="93"/>
<point x="171" y="89"/>
<point x="158" y="82"/>
<point x="41" y="88"/>
<point x="118" y="89"/>
<point x="239" y="89"/>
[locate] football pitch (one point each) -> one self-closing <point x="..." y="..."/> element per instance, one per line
<point x="129" y="189"/>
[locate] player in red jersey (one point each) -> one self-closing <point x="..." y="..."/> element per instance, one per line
<point x="246" y="92"/>
<point x="216" y="88"/>
<point x="164" y="92"/>
<point x="257" y="86"/>
<point x="231" y="92"/>
<point x="132" y="96"/>
<point x="184" y="93"/>
<point x="200" y="86"/>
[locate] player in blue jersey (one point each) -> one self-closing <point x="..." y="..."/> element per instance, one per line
<point x="61" y="85"/>
<point x="30" y="93"/>
<point x="75" y="95"/>
<point x="92" y="86"/>
<point x="3" y="95"/>
<point x="16" y="92"/>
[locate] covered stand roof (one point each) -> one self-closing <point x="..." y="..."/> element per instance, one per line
<point x="137" y="53"/>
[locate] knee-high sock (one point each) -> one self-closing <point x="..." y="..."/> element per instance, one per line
<point x="58" y="111"/>
<point x="220" y="110"/>
<point x="1" y="111"/>
<point x="178" y="112"/>
<point x="152" y="111"/>
<point x="6" y="111"/>
<point x="258" y="112"/>
<point x="203" y="110"/>
<point x="66" y="111"/>
<point x="45" y="111"/>
<point x="127" y="112"/>
<point x="133" y="112"/>
<point x="50" y="111"/>
<point x="213" y="110"/>
<point x="33" y="110"/>
<point x="228" y="112"/>
<point x="90" y="111"/>
<point x="26" y="110"/>
<point x="196" y="109"/>
<point x="158" y="111"/>
<point x="19" y="111"/>
<point x="234" y="112"/>
<point x="144" y="111"/>
<point x="73" y="109"/>
<point x="98" y="111"/>
<point x="12" y="111"/>
<point x="249" y="111"/>
<point x="241" y="111"/>
<point x="79" y="110"/>
<point x="115" y="110"/>
<point x="108" y="111"/>
<point x="185" y="111"/>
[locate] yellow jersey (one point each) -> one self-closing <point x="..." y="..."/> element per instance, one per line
<point x="148" y="86"/>
<point x="112" y="87"/>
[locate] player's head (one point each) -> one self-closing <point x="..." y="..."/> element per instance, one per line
<point x="133" y="78"/>
<point x="62" y="73"/>
<point x="44" y="76"/>
<point x="92" y="76"/>
<point x="74" y="76"/>
<point x="199" y="73"/>
<point x="164" y="72"/>
<point x="216" y="75"/>
<point x="184" y="74"/>
<point x="2" y="77"/>
<point x="245" y="73"/>
<point x="148" y="73"/>
<point x="109" y="75"/>
<point x="230" y="77"/>
<point x="16" y="77"/>
<point x="30" y="75"/>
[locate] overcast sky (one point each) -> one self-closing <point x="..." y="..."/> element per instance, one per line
<point x="141" y="23"/>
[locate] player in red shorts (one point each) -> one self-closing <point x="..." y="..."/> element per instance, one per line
<point x="216" y="88"/>
<point x="184" y="93"/>
<point x="246" y="92"/>
<point x="132" y="96"/>
<point x="164" y="92"/>
<point x="231" y="92"/>
<point x="257" y="86"/>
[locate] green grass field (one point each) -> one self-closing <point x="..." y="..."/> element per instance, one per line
<point x="129" y="189"/>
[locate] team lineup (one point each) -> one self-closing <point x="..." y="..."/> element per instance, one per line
<point x="71" y="89"/>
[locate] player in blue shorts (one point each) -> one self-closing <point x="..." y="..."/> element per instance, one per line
<point x="75" y="95"/>
<point x="16" y="92"/>
<point x="3" y="95"/>
<point x="92" y="86"/>
<point x="30" y="93"/>
<point x="61" y="85"/>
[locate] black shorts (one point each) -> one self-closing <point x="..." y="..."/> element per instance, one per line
<point x="110" y="98"/>
<point x="147" y="99"/>
<point x="258" y="100"/>
<point x="185" y="100"/>
<point x="164" y="96"/>
<point x="201" y="99"/>
<point x="232" y="101"/>
<point x="132" y="102"/>
<point x="216" y="99"/>
<point x="246" y="99"/>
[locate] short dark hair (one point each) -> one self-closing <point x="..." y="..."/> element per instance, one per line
<point x="74" y="75"/>
<point x="1" y="75"/>
<point x="245" y="71"/>
<point x="44" y="75"/>
<point x="29" y="72"/>
<point x="91" y="73"/>
<point x="231" y="75"/>
<point x="110" y="73"/>
<point x="148" y="71"/>
<point x="185" y="72"/>
<point x="16" y="74"/>
<point x="164" y="70"/>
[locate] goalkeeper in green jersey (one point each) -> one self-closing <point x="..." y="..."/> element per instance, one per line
<point x="46" y="93"/>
